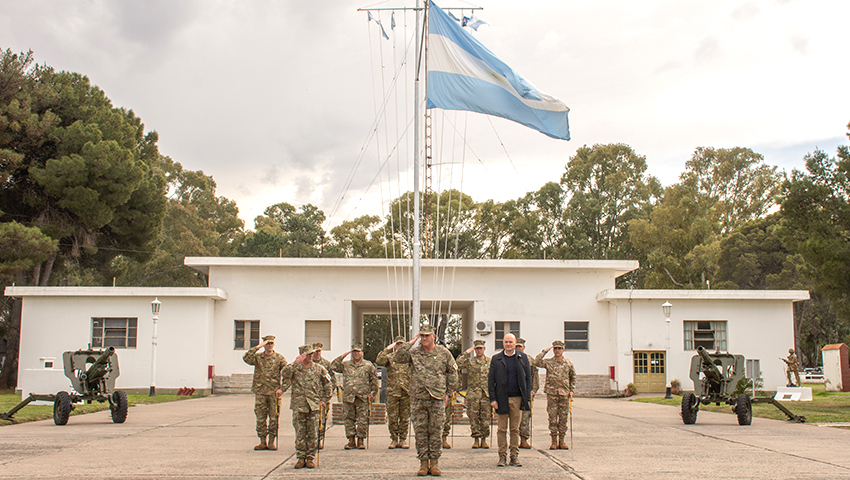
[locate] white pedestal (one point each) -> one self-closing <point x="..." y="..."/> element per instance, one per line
<point x="793" y="394"/>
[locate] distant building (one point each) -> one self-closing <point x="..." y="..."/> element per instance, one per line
<point x="614" y="337"/>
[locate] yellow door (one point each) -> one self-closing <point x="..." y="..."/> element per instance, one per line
<point x="649" y="372"/>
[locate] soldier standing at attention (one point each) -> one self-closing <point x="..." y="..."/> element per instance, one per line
<point x="477" y="397"/>
<point x="398" y="394"/>
<point x="311" y="390"/>
<point x="525" y="424"/>
<point x="266" y="388"/>
<point x="317" y="358"/>
<point x="433" y="376"/>
<point x="560" y="384"/>
<point x="360" y="385"/>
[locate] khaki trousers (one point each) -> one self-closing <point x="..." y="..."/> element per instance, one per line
<point x="515" y="417"/>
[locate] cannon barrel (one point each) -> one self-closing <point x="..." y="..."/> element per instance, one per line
<point x="100" y="366"/>
<point x="708" y="367"/>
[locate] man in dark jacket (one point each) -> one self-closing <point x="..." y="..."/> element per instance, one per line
<point x="509" y="385"/>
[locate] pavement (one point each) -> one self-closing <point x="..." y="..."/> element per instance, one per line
<point x="213" y="437"/>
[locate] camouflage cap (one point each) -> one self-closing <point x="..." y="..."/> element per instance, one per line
<point x="357" y="347"/>
<point x="318" y="346"/>
<point x="269" y="338"/>
<point x="520" y="342"/>
<point x="426" y="330"/>
<point x="306" y="349"/>
<point x="398" y="339"/>
<point x="479" y="343"/>
<point x="558" y="344"/>
<point x="790" y="350"/>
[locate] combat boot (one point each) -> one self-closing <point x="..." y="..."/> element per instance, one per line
<point x="350" y="444"/>
<point x="446" y="442"/>
<point x="300" y="463"/>
<point x="360" y="445"/>
<point x="309" y="464"/>
<point x="423" y="468"/>
<point x="393" y="444"/>
<point x="502" y="461"/>
<point x="561" y="444"/>
<point x="271" y="445"/>
<point x="435" y="467"/>
<point x="484" y="444"/>
<point x="515" y="461"/>
<point x="554" y="445"/>
<point x="262" y="445"/>
<point x="475" y="443"/>
<point x="524" y="443"/>
<point x="402" y="443"/>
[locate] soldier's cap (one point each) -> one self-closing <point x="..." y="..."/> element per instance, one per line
<point x="426" y="330"/>
<point x="318" y="346"/>
<point x="790" y="350"/>
<point x="398" y="339"/>
<point x="558" y="344"/>
<point x="306" y="349"/>
<point x="269" y="338"/>
<point x="479" y="343"/>
<point x="357" y="347"/>
<point x="520" y="342"/>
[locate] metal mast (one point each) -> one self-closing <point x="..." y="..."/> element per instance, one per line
<point x="421" y="38"/>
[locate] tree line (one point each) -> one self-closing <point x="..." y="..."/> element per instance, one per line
<point x="86" y="198"/>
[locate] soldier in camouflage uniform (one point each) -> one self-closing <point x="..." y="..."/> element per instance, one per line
<point x="525" y="424"/>
<point x="360" y="385"/>
<point x="266" y="388"/>
<point x="398" y="394"/>
<point x="477" y="395"/>
<point x="433" y="376"/>
<point x="317" y="358"/>
<point x="560" y="384"/>
<point x="791" y="366"/>
<point x="311" y="392"/>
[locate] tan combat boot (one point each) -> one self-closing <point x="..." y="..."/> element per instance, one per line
<point x="524" y="443"/>
<point x="446" y="442"/>
<point x="300" y="463"/>
<point x="350" y="443"/>
<point x="309" y="464"/>
<point x="515" y="461"/>
<point x="475" y="443"/>
<point x="402" y="443"/>
<point x="423" y="468"/>
<point x="271" y="445"/>
<point x="360" y="445"/>
<point x="561" y="444"/>
<point x="435" y="467"/>
<point x="393" y="444"/>
<point x="554" y="445"/>
<point x="502" y="461"/>
<point x="262" y="445"/>
<point x="484" y="443"/>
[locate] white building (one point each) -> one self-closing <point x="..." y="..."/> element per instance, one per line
<point x="613" y="336"/>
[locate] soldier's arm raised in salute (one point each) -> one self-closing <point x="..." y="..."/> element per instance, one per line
<point x="336" y="365"/>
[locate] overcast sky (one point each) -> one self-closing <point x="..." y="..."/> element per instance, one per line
<point x="275" y="98"/>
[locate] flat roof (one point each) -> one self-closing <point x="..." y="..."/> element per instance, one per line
<point x="205" y="292"/>
<point x="620" y="267"/>
<point x="622" y="294"/>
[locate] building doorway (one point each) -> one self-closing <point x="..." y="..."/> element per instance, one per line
<point x="650" y="371"/>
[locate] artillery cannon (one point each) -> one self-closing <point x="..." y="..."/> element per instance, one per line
<point x="716" y="376"/>
<point x="92" y="374"/>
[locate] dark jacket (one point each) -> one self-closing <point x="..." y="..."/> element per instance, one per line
<point x="497" y="380"/>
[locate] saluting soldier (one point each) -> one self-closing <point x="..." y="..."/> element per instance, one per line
<point x="398" y="394"/>
<point x="525" y="424"/>
<point x="477" y="395"/>
<point x="266" y="388"/>
<point x="433" y="376"/>
<point x="360" y="385"/>
<point x="560" y="384"/>
<point x="311" y="391"/>
<point x="317" y="358"/>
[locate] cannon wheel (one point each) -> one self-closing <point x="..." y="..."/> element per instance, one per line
<point x="744" y="409"/>
<point x="118" y="406"/>
<point x="690" y="408"/>
<point x="61" y="408"/>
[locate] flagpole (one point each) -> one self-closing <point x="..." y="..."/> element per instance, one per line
<point x="417" y="147"/>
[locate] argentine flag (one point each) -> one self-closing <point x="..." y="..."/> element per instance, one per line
<point x="464" y="75"/>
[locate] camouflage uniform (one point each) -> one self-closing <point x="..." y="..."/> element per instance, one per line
<point x="432" y="376"/>
<point x="477" y="396"/>
<point x="560" y="382"/>
<point x="360" y="380"/>
<point x="525" y="423"/>
<point x="324" y="362"/>
<point x="267" y="371"/>
<point x="791" y="366"/>
<point x="309" y="387"/>
<point x="398" y="396"/>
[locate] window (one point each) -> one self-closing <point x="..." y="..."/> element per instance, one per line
<point x="710" y="335"/>
<point x="246" y="329"/>
<point x="649" y="362"/>
<point x="575" y="335"/>
<point x="113" y="332"/>
<point x="753" y="368"/>
<point x="504" y="328"/>
<point x="318" y="331"/>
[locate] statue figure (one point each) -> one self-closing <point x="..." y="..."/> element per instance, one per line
<point x="791" y="365"/>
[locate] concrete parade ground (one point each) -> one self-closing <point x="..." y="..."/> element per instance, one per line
<point x="213" y="437"/>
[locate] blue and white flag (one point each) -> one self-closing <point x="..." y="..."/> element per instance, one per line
<point x="464" y="75"/>
<point x="473" y="22"/>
